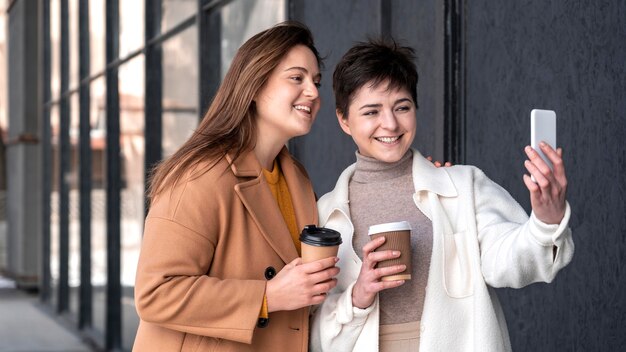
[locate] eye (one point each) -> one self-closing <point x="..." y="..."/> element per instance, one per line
<point x="296" y="78"/>
<point x="370" y="113"/>
<point x="403" y="108"/>
<point x="318" y="84"/>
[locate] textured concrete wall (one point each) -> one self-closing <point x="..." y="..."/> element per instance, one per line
<point x="337" y="25"/>
<point x="568" y="56"/>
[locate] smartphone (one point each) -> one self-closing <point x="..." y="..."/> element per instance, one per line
<point x="543" y="128"/>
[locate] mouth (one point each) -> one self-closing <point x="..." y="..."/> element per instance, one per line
<point x="388" y="140"/>
<point x="303" y="108"/>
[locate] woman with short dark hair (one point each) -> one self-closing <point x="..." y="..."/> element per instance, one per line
<point x="468" y="234"/>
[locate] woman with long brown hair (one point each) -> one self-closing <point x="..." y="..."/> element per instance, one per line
<point x="219" y="268"/>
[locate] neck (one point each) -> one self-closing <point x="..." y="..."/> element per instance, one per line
<point x="266" y="150"/>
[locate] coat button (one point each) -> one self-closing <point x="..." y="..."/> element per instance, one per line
<point x="270" y="272"/>
<point x="263" y="322"/>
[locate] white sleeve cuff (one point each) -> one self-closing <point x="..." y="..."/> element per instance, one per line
<point x="349" y="314"/>
<point x="549" y="234"/>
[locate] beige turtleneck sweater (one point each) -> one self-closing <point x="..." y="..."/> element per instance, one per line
<point x="383" y="192"/>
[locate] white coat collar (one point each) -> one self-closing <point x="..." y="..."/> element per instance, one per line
<point x="426" y="177"/>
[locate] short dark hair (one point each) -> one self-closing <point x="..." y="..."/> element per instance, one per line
<point x="375" y="61"/>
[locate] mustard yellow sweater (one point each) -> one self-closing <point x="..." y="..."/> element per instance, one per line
<point x="280" y="191"/>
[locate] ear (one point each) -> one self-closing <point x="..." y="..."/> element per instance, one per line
<point x="343" y="122"/>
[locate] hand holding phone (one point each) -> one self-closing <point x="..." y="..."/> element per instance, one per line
<point x="547" y="197"/>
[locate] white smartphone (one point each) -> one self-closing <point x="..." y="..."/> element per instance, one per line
<point x="543" y="128"/>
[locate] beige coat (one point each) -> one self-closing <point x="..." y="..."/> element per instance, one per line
<point x="208" y="246"/>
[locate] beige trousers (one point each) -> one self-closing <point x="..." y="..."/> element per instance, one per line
<point x="400" y="337"/>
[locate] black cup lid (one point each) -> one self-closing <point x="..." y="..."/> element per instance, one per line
<point x="320" y="236"/>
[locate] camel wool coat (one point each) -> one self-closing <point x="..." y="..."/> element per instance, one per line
<point x="210" y="245"/>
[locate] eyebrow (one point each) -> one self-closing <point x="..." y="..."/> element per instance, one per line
<point x="401" y="100"/>
<point x="298" y="68"/>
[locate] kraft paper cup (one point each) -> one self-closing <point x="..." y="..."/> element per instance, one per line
<point x="319" y="243"/>
<point x="398" y="237"/>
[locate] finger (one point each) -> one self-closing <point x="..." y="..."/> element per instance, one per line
<point x="429" y="158"/>
<point x="373" y="244"/>
<point x="437" y="164"/>
<point x="531" y="185"/>
<point x="390" y="270"/>
<point x="556" y="158"/>
<point x="540" y="178"/>
<point x="324" y="275"/>
<point x="448" y="164"/>
<point x="323" y="288"/>
<point x="319" y="265"/>
<point x="537" y="160"/>
<point x="383" y="255"/>
<point x="385" y="285"/>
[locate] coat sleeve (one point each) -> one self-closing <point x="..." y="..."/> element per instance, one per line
<point x="516" y="250"/>
<point x="174" y="291"/>
<point x="336" y="324"/>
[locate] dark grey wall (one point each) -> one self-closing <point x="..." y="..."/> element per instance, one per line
<point x="336" y="26"/>
<point x="568" y="56"/>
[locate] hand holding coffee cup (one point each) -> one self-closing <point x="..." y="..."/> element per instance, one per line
<point x="300" y="283"/>
<point x="381" y="268"/>
<point x="397" y="237"/>
<point x="319" y="243"/>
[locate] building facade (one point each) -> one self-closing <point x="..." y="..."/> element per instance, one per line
<point x="98" y="91"/>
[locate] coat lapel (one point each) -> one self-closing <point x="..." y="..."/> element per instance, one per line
<point x="256" y="196"/>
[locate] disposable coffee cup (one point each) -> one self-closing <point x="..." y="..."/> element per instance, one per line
<point x="397" y="237"/>
<point x="319" y="243"/>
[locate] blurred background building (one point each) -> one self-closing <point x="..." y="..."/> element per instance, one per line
<point x="94" y="92"/>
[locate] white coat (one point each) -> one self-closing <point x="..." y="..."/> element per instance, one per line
<point x="482" y="238"/>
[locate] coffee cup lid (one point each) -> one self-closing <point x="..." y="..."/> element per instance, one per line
<point x="320" y="236"/>
<point x="390" y="226"/>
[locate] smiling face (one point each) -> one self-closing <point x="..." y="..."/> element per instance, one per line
<point x="287" y="104"/>
<point x="381" y="121"/>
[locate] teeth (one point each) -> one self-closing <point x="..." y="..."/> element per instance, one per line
<point x="302" y="108"/>
<point x="387" y="139"/>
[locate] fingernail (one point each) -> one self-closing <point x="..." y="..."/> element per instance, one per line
<point x="543" y="144"/>
<point x="336" y="259"/>
<point x="395" y="253"/>
<point x="528" y="148"/>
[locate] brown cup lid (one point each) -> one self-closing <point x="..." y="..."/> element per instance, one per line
<point x="320" y="236"/>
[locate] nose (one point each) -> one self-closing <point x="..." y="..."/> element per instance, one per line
<point x="389" y="120"/>
<point x="311" y="91"/>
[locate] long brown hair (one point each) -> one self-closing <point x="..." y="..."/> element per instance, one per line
<point x="229" y="124"/>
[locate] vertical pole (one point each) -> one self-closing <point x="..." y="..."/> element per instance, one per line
<point x="454" y="92"/>
<point x="209" y="60"/>
<point x="85" y="311"/>
<point x="113" y="338"/>
<point x="64" y="137"/>
<point x="153" y="90"/>
<point x="44" y="294"/>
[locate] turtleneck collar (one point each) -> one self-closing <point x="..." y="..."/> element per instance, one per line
<point x="372" y="170"/>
